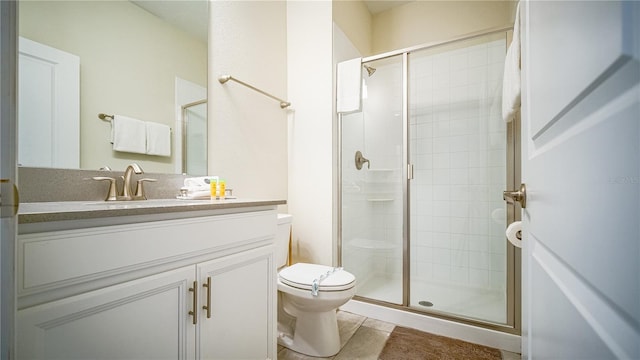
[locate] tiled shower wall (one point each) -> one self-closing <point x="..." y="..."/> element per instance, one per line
<point x="458" y="148"/>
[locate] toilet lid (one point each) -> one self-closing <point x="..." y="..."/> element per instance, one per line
<point x="302" y="275"/>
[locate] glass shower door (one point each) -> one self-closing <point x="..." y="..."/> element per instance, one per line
<point x="458" y="148"/>
<point x="372" y="184"/>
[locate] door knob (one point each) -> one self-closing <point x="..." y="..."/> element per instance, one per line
<point x="520" y="195"/>
<point x="8" y="206"/>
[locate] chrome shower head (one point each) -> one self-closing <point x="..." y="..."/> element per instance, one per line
<point x="370" y="70"/>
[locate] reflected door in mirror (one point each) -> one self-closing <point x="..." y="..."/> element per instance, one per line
<point x="49" y="107"/>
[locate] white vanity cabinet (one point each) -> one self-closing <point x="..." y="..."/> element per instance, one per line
<point x="142" y="290"/>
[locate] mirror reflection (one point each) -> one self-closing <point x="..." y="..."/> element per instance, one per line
<point x="145" y="60"/>
<point x="194" y="151"/>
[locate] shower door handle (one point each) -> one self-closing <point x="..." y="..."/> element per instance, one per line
<point x="520" y="195"/>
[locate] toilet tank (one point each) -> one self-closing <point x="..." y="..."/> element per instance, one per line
<point x="282" y="239"/>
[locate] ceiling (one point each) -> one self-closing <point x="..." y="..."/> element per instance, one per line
<point x="378" y="6"/>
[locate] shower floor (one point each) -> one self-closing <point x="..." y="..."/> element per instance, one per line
<point x="481" y="304"/>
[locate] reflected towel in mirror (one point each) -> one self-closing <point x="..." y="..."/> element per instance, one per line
<point x="158" y="139"/>
<point x="128" y="134"/>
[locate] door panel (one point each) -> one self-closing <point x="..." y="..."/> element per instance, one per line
<point x="49" y="113"/>
<point x="242" y="323"/>
<point x="562" y="339"/>
<point x="581" y="164"/>
<point x="593" y="34"/>
<point x="99" y="325"/>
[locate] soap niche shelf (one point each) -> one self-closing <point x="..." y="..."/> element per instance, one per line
<point x="376" y="200"/>
<point x="381" y="176"/>
<point x="380" y="185"/>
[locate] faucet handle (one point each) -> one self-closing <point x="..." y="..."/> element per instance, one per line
<point x="140" y="189"/>
<point x="111" y="195"/>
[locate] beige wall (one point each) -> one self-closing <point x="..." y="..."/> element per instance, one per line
<point x="128" y="63"/>
<point x="423" y="22"/>
<point x="355" y="20"/>
<point x="311" y="128"/>
<point x="248" y="131"/>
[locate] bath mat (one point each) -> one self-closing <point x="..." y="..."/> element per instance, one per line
<point x="410" y="344"/>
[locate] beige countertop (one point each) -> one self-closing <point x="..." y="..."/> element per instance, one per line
<point x="39" y="212"/>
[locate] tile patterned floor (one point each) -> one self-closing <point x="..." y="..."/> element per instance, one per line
<point x="362" y="338"/>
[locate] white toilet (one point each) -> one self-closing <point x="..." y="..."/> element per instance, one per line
<point x="308" y="297"/>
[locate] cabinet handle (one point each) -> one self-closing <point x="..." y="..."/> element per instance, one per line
<point x="208" y="306"/>
<point x="193" y="312"/>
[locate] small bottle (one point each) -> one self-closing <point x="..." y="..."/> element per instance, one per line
<point x="221" y="189"/>
<point x="213" y="187"/>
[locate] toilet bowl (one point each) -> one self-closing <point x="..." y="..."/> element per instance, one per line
<point x="308" y="297"/>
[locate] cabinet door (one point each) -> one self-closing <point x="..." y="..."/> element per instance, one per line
<point x="243" y="299"/>
<point x="147" y="318"/>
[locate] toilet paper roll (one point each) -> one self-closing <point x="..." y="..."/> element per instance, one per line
<point x="512" y="233"/>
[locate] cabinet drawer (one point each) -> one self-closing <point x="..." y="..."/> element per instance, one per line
<point x="61" y="258"/>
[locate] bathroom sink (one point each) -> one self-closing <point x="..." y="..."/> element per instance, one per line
<point x="54" y="211"/>
<point x="134" y="204"/>
<point x="85" y="206"/>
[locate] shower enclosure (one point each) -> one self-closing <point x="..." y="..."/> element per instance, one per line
<point x="423" y="167"/>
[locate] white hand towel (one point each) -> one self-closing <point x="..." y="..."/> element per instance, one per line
<point x="511" y="80"/>
<point x="158" y="139"/>
<point x="195" y="182"/>
<point x="128" y="134"/>
<point x="349" y="85"/>
<point x="195" y="195"/>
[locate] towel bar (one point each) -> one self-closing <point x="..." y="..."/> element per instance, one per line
<point x="224" y="78"/>
<point x="107" y="117"/>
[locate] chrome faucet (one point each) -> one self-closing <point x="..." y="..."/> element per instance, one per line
<point x="127" y="193"/>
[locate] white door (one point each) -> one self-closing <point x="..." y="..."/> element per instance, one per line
<point x="49" y="107"/>
<point x="242" y="294"/>
<point x="147" y="318"/>
<point x="581" y="165"/>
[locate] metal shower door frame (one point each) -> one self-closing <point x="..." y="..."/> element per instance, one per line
<point x="513" y="324"/>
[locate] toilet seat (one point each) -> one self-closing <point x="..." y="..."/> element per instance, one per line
<point x="302" y="276"/>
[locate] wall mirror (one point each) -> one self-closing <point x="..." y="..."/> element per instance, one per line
<point x="141" y="59"/>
